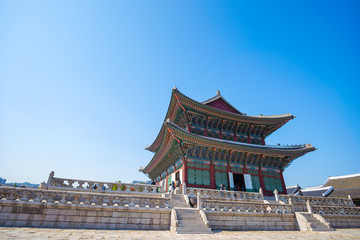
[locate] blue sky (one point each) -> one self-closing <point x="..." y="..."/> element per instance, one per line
<point x="85" y="85"/>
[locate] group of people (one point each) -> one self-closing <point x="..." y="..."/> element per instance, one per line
<point x="237" y="187"/>
<point x="173" y="185"/>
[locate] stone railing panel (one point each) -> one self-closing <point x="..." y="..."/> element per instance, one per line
<point x="298" y="200"/>
<point x="336" y="210"/>
<point x="97" y="186"/>
<point x="245" y="207"/>
<point x="86" y="198"/>
<point x="224" y="194"/>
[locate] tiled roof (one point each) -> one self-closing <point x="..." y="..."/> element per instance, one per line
<point x="293" y="189"/>
<point x="343" y="182"/>
<point x="353" y="192"/>
<point x="318" y="191"/>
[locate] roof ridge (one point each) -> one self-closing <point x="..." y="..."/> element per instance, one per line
<point x="219" y="96"/>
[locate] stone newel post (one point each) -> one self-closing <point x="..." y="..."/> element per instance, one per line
<point x="349" y="197"/>
<point x="51" y="175"/>
<point x="198" y="201"/>
<point x="184" y="188"/>
<point x="308" y="205"/>
<point x="276" y="194"/>
<point x="261" y="192"/>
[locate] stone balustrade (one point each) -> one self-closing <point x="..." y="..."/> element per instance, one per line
<point x="97" y="186"/>
<point x="224" y="194"/>
<point x="301" y="200"/>
<point x="83" y="198"/>
<point x="245" y="207"/>
<point x="336" y="210"/>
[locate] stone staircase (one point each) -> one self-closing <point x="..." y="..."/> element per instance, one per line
<point x="189" y="219"/>
<point x="312" y="222"/>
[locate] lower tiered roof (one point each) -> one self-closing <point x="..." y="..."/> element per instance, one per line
<point x="176" y="143"/>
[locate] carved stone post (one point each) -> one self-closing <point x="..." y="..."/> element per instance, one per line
<point x="291" y="204"/>
<point x="276" y="194"/>
<point x="184" y="188"/>
<point x="51" y="176"/>
<point x="43" y="185"/>
<point x="349" y="197"/>
<point x="308" y="205"/>
<point x="198" y="201"/>
<point x="261" y="192"/>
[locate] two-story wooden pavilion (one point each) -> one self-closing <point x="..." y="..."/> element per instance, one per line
<point x="206" y="144"/>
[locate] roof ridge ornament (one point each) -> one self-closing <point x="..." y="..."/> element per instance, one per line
<point x="218" y="92"/>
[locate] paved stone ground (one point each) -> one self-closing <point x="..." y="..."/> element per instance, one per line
<point x="47" y="233"/>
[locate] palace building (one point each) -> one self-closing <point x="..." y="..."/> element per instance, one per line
<point x="206" y="144"/>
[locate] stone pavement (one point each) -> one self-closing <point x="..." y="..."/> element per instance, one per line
<point x="47" y="233"/>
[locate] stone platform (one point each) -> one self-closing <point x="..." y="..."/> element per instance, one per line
<point x="47" y="233"/>
<point x="62" y="204"/>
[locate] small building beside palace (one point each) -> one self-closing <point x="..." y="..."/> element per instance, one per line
<point x="211" y="143"/>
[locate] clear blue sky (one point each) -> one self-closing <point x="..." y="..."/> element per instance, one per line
<point x="85" y="85"/>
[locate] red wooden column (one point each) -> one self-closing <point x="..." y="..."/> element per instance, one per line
<point x="185" y="172"/>
<point x="228" y="169"/>
<point x="227" y="173"/>
<point x="212" y="176"/>
<point x="282" y="181"/>
<point x="261" y="177"/>
<point x="262" y="140"/>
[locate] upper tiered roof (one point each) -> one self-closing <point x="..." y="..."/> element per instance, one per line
<point x="219" y="109"/>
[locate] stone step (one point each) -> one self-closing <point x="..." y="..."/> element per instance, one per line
<point x="317" y="229"/>
<point x="190" y="218"/>
<point x="193" y="225"/>
<point x="180" y="205"/>
<point x="315" y="224"/>
<point x="190" y="230"/>
<point x="187" y="211"/>
<point x="188" y="215"/>
<point x="191" y="221"/>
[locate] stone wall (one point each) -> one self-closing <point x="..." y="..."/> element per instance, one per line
<point x="343" y="221"/>
<point x="23" y="207"/>
<point x="250" y="221"/>
<point x="58" y="215"/>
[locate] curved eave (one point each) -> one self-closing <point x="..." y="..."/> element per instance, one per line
<point x="156" y="144"/>
<point x="291" y="151"/>
<point x="172" y="107"/>
<point x="165" y="143"/>
<point x="272" y="119"/>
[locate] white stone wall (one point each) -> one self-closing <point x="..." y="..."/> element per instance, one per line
<point x="55" y="215"/>
<point x="250" y="221"/>
<point x="343" y="221"/>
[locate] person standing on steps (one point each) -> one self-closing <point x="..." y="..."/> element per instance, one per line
<point x="171" y="188"/>
<point x="178" y="183"/>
